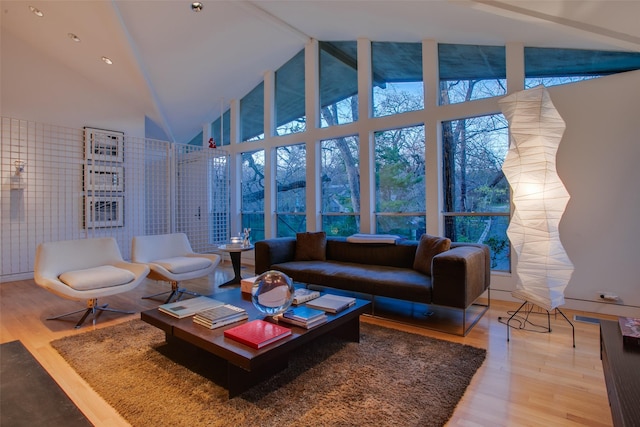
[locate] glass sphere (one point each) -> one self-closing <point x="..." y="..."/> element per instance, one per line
<point x="272" y="292"/>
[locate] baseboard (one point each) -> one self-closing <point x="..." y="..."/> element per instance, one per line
<point x="595" y="307"/>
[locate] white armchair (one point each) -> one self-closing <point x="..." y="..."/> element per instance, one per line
<point x="171" y="258"/>
<point x="86" y="269"/>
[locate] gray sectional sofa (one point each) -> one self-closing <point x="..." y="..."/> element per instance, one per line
<point x="437" y="272"/>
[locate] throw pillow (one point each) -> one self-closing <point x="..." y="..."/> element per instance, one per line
<point x="428" y="247"/>
<point x="311" y="246"/>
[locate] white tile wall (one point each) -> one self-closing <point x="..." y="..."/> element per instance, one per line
<point x="155" y="187"/>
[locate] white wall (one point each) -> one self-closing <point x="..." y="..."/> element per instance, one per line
<point x="598" y="161"/>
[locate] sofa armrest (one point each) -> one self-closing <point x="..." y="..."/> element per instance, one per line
<point x="458" y="276"/>
<point x="487" y="259"/>
<point x="273" y="251"/>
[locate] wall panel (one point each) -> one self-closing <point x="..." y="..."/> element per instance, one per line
<point x="82" y="183"/>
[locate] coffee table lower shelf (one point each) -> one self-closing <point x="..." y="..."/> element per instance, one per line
<point x="241" y="366"/>
<point x="235" y="379"/>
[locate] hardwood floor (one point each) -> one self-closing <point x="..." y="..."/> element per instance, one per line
<point x="535" y="379"/>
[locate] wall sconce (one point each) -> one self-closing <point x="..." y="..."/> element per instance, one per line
<point x="19" y="165"/>
<point x="17" y="183"/>
<point x="539" y="198"/>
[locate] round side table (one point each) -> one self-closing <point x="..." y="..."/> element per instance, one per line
<point x="235" y="252"/>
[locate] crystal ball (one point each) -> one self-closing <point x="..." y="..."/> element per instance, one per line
<point x="272" y="292"/>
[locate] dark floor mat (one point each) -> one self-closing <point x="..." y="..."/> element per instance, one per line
<point x="28" y="394"/>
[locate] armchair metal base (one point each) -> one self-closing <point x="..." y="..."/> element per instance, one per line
<point x="92" y="308"/>
<point x="176" y="290"/>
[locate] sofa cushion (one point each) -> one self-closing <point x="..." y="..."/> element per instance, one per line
<point x="399" y="255"/>
<point x="97" y="277"/>
<point x="183" y="264"/>
<point x="311" y="246"/>
<point x="392" y="282"/>
<point x="428" y="247"/>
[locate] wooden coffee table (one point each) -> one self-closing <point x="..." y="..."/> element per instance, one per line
<point x="244" y="365"/>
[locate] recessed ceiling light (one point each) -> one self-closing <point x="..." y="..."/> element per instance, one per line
<point x="36" y="11"/>
<point x="107" y="60"/>
<point x="73" y="37"/>
<point x="196" y="6"/>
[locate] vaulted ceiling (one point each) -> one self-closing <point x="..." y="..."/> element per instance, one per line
<point x="182" y="67"/>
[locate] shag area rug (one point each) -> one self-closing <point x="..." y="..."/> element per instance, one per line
<point x="390" y="378"/>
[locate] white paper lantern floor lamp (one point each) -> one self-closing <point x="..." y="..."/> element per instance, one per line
<point x="539" y="199"/>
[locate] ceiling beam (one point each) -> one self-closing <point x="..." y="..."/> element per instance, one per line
<point x="621" y="39"/>
<point x="263" y="14"/>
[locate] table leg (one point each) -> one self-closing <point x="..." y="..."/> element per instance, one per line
<point x="239" y="380"/>
<point x="235" y="262"/>
<point x="350" y="331"/>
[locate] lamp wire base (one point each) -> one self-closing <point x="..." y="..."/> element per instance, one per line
<point x="520" y="318"/>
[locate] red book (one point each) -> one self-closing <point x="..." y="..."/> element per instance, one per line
<point x="257" y="333"/>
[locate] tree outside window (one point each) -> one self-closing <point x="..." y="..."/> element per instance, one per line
<point x="469" y="72"/>
<point x="397" y="78"/>
<point x="291" y="181"/>
<point x="476" y="193"/>
<point x="252" y="193"/>
<point x="340" y="186"/>
<point x="400" y="182"/>
<point x="338" y="83"/>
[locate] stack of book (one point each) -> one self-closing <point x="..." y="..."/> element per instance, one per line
<point x="304" y="317"/>
<point x="189" y="307"/>
<point x="332" y="303"/>
<point x="246" y="284"/>
<point x="219" y="316"/>
<point x="302" y="295"/>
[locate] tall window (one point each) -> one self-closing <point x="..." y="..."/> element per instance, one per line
<point x="252" y="193"/>
<point x="290" y="108"/>
<point x="550" y="67"/>
<point x="220" y="129"/>
<point x="475" y="196"/>
<point x="218" y="177"/>
<point x="469" y="72"/>
<point x="400" y="182"/>
<point x="252" y="115"/>
<point x="291" y="202"/>
<point x="338" y="83"/>
<point x="196" y="140"/>
<point x="476" y="193"/>
<point x="397" y="78"/>
<point x="340" y="186"/>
